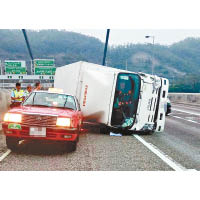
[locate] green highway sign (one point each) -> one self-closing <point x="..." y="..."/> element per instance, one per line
<point x="15" y="70"/>
<point x="14" y="63"/>
<point x="45" y="70"/>
<point x="44" y="63"/>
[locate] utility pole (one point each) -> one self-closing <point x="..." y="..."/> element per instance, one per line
<point x="106" y="46"/>
<point x="153" y="37"/>
<point x="28" y="47"/>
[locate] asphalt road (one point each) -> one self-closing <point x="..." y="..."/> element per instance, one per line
<point x="94" y="152"/>
<point x="180" y="143"/>
<point x="181" y="138"/>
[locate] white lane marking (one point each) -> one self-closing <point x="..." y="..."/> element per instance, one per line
<point x="169" y="161"/>
<point x="5" y="154"/>
<point x="9" y="151"/>
<point x="191" y="170"/>
<point x="189" y="120"/>
<point x="192" y="113"/>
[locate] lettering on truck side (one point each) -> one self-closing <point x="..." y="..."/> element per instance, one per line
<point x="85" y="95"/>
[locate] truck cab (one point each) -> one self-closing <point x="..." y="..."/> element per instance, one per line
<point x="139" y="102"/>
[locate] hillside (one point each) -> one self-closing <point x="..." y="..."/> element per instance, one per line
<point x="65" y="47"/>
<point x="174" y="62"/>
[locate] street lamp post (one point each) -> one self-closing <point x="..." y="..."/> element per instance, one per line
<point x="153" y="38"/>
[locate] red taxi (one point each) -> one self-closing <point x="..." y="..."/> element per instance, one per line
<point x="44" y="115"/>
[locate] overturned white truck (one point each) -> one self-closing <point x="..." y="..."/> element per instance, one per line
<point x="114" y="98"/>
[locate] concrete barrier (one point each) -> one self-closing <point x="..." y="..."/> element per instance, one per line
<point x="4" y="102"/>
<point x="193" y="98"/>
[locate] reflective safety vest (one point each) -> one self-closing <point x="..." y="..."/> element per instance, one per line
<point x="19" y="94"/>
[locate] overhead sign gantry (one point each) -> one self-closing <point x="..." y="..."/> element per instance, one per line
<point x="15" y="67"/>
<point x="44" y="66"/>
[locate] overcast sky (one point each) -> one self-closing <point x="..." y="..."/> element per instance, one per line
<point x="124" y="36"/>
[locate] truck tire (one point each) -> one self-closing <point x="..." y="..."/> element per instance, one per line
<point x="12" y="143"/>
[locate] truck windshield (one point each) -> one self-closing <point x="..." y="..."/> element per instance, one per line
<point x="126" y="100"/>
<point x="50" y="100"/>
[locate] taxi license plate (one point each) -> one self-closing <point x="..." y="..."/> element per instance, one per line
<point x="37" y="131"/>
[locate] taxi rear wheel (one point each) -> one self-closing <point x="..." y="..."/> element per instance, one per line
<point x="12" y="143"/>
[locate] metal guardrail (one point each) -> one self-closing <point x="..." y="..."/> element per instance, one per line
<point x="23" y="85"/>
<point x="26" y="77"/>
<point x="9" y="81"/>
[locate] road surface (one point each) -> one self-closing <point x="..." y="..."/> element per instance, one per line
<point x="175" y="149"/>
<point x="181" y="139"/>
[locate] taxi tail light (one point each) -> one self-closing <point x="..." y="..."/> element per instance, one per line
<point x="11" y="117"/>
<point x="61" y="121"/>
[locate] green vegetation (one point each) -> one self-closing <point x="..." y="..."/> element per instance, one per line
<point x="179" y="62"/>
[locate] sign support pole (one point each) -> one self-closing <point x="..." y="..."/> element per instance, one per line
<point x="27" y="44"/>
<point x="106" y="46"/>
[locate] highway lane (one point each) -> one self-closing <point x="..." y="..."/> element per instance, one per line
<point x="94" y="152"/>
<point x="186" y="112"/>
<point x="181" y="139"/>
<point x="187" y="107"/>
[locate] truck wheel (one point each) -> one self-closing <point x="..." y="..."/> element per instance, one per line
<point x="12" y="143"/>
<point x="71" y="146"/>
